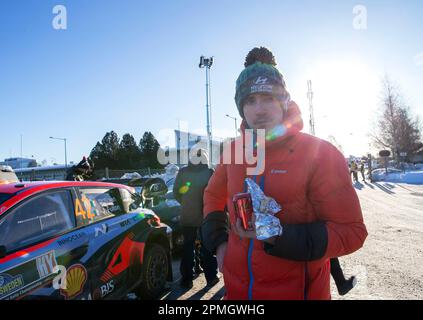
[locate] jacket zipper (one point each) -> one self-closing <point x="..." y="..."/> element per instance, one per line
<point x="250" y="270"/>
<point x="251" y="246"/>
<point x="250" y="253"/>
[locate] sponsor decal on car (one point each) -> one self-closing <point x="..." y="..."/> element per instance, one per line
<point x="104" y="290"/>
<point x="10" y="284"/>
<point x="71" y="238"/>
<point x="76" y="277"/>
<point x="46" y="263"/>
<point x="125" y="223"/>
<point x="124" y="256"/>
<point x="101" y="230"/>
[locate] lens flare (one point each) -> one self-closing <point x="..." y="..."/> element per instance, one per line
<point x="183" y="189"/>
<point x="277" y="132"/>
<point x="140" y="216"/>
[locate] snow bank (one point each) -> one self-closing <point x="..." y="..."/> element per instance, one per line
<point x="410" y="177"/>
<point x="131" y="175"/>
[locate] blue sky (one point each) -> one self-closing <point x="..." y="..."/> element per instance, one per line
<point x="132" y="66"/>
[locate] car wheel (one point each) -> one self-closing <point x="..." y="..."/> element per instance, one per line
<point x="154" y="273"/>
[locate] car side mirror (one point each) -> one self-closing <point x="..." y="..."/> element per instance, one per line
<point x="154" y="188"/>
<point x="3" y="252"/>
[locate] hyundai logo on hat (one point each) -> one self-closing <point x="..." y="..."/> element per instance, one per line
<point x="261" y="80"/>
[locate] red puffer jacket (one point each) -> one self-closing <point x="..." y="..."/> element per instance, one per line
<point x="321" y="218"/>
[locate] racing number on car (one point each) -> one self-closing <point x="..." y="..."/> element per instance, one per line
<point x="80" y="212"/>
<point x="87" y="204"/>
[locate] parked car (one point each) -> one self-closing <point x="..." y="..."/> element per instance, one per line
<point x="158" y="196"/>
<point x="80" y="240"/>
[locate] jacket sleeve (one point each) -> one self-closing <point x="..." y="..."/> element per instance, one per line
<point x="300" y="242"/>
<point x="336" y="203"/>
<point x="215" y="226"/>
<point x="340" y="229"/>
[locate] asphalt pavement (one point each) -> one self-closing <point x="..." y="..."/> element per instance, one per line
<point x="197" y="292"/>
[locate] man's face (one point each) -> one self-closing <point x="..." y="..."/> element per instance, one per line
<point x="262" y="111"/>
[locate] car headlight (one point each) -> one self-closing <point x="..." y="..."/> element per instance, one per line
<point x="176" y="219"/>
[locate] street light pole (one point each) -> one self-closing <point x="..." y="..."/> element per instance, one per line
<point x="20" y="160"/>
<point x="207" y="63"/>
<point x="66" y="157"/>
<point x="236" y="127"/>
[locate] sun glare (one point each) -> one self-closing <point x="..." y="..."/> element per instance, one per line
<point x="345" y="97"/>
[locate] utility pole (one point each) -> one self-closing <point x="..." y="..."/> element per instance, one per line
<point x="310" y="101"/>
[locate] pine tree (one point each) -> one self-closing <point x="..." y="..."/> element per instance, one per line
<point x="149" y="147"/>
<point x="129" y="153"/>
<point x="106" y="153"/>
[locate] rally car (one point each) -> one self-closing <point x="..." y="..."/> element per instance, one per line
<point x="80" y="240"/>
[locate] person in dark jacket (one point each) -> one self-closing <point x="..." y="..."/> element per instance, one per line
<point x="188" y="191"/>
<point x="353" y="170"/>
<point x="84" y="170"/>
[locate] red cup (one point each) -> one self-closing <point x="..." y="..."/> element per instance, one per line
<point x="243" y="209"/>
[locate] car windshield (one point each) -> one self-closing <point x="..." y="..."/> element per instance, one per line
<point x="4" y="197"/>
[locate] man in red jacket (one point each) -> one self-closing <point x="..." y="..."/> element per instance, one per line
<point x="321" y="216"/>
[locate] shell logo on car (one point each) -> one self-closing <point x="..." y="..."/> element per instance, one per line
<point x="76" y="277"/>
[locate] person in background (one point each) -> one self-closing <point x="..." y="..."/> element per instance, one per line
<point x="188" y="191"/>
<point x="362" y="171"/>
<point x="353" y="170"/>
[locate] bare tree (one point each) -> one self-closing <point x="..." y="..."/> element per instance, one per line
<point x="396" y="129"/>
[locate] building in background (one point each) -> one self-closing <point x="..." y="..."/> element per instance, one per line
<point x="19" y="163"/>
<point x="48" y="173"/>
<point x="185" y="141"/>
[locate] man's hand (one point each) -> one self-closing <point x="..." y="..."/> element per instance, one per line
<point x="240" y="231"/>
<point x="220" y="255"/>
<point x="249" y="234"/>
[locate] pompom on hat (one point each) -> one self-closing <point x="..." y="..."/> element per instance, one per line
<point x="260" y="76"/>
